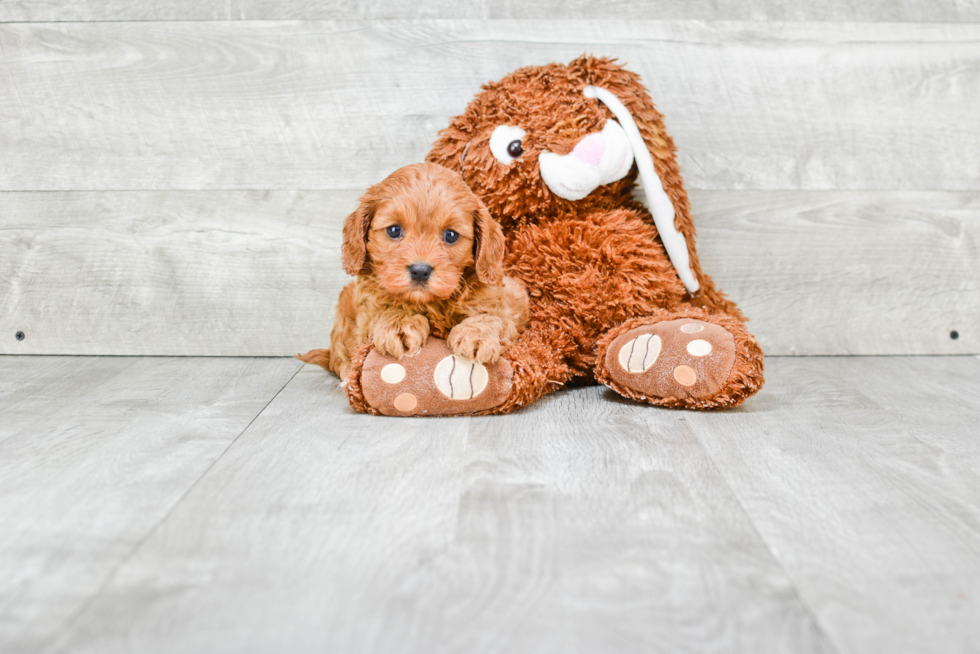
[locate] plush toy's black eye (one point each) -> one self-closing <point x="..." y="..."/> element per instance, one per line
<point x="394" y="231"/>
<point x="514" y="149"/>
<point x="450" y="236"/>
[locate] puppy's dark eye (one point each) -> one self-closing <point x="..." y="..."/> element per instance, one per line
<point x="395" y="231"/>
<point x="514" y="149"/>
<point x="450" y="236"/>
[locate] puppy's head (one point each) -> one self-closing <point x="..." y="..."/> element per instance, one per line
<point x="419" y="232"/>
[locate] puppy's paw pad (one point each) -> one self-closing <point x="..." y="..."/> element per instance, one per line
<point x="475" y="343"/>
<point x="676" y="358"/>
<point x="390" y="343"/>
<point x="412" y="339"/>
<point x="434" y="382"/>
<point x="401" y="340"/>
<point x="479" y="351"/>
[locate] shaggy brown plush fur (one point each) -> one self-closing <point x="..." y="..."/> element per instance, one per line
<point x="548" y="103"/>
<point x="465" y="294"/>
<point x="593" y="268"/>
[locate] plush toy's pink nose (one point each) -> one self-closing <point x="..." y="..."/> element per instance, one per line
<point x="589" y="150"/>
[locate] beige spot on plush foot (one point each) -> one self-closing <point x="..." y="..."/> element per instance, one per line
<point x="393" y="373"/>
<point x="685" y="376"/>
<point x="692" y="328"/>
<point x="459" y="378"/>
<point x="405" y="402"/>
<point x="640" y="353"/>
<point x="699" y="348"/>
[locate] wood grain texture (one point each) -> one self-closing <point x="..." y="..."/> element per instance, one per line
<point x="848" y="273"/>
<point x="916" y="404"/>
<point x="252" y="273"/>
<point x="873" y="510"/>
<point x="833" y="10"/>
<point x="258" y="273"/>
<point x="577" y="526"/>
<point x="94" y="452"/>
<point x="334" y="104"/>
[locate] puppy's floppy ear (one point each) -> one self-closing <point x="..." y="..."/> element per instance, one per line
<point x="488" y="247"/>
<point x="353" y="251"/>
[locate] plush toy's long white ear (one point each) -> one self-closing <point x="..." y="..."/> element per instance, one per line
<point x="660" y="205"/>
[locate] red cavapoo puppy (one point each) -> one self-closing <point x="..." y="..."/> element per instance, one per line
<point x="429" y="260"/>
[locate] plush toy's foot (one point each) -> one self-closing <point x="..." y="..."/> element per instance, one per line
<point x="432" y="382"/>
<point x="685" y="363"/>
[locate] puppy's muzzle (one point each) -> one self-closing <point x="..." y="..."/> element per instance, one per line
<point x="420" y="273"/>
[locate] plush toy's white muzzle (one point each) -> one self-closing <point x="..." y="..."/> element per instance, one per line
<point x="601" y="158"/>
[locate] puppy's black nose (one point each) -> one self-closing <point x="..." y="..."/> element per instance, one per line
<point x="420" y="272"/>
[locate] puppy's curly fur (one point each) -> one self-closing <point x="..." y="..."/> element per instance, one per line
<point x="425" y="216"/>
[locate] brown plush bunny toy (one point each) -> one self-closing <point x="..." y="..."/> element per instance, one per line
<point x="617" y="292"/>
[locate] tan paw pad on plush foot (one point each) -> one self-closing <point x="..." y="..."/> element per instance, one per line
<point x="677" y="358"/>
<point x="433" y="382"/>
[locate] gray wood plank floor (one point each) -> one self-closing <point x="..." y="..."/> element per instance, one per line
<point x="230" y="505"/>
<point x="94" y="453"/>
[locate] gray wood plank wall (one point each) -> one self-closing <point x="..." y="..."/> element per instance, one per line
<point x="176" y="187"/>
<point x="829" y="10"/>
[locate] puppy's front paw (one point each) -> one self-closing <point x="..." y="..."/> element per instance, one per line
<point x="399" y="336"/>
<point x="477" y="338"/>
